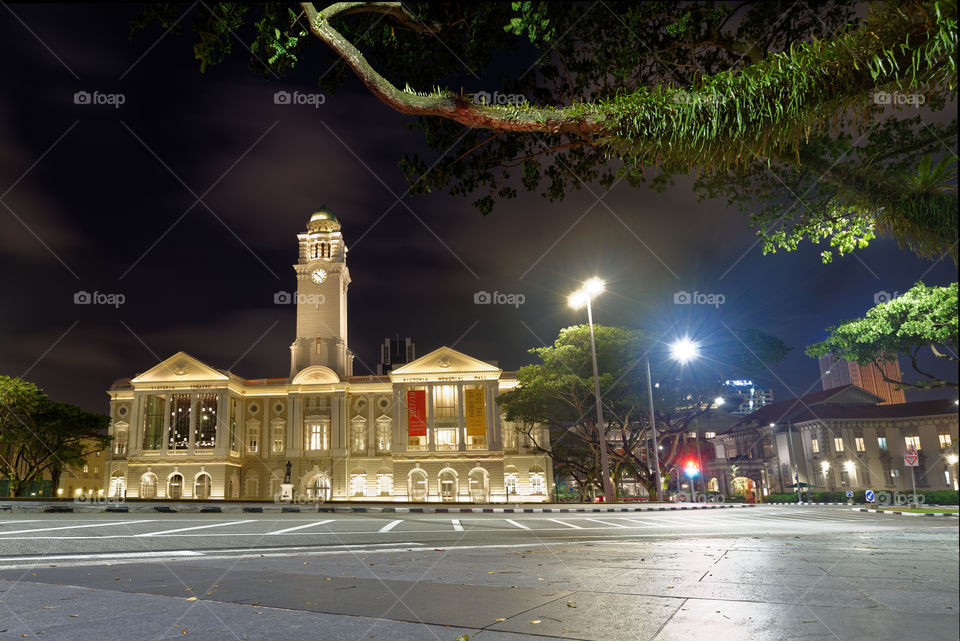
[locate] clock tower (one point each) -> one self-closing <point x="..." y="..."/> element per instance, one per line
<point x="322" y="280"/>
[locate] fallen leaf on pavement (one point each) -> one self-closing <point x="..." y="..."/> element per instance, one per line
<point x="534" y="621"/>
<point x="193" y="598"/>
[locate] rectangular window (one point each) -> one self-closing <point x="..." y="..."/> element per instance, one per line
<point x="861" y="446"/>
<point x="538" y="483"/>
<point x="234" y="446"/>
<point x="276" y="440"/>
<point x="205" y="436"/>
<point x="358" y="435"/>
<point x="912" y="441"/>
<point x="384" y="435"/>
<point x="120" y="440"/>
<point x="894" y="473"/>
<point x="153" y="422"/>
<point x="945" y="441"/>
<point x="253" y="437"/>
<point x="180" y="407"/>
<point x="882" y="443"/>
<point x="709" y="434"/>
<point x="837" y="444"/>
<point x="446" y="438"/>
<point x="510" y="436"/>
<point x="510" y="483"/>
<point x="318" y="433"/>
<point x="445" y="404"/>
<point x="417" y="443"/>
<point x="815" y="445"/>
<point x="844" y="478"/>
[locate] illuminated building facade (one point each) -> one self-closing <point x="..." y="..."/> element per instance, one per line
<point x="429" y="430"/>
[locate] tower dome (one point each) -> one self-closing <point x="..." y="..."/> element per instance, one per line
<point x="323" y="220"/>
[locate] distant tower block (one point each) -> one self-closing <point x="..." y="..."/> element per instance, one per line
<point x="834" y="373"/>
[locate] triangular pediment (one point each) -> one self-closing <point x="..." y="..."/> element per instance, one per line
<point x="445" y="363"/>
<point x="180" y="368"/>
<point x="849" y="395"/>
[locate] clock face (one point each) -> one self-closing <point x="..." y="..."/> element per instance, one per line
<point x="318" y="276"/>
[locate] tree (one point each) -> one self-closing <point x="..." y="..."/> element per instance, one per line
<point x="558" y="395"/>
<point x="40" y="436"/>
<point x="923" y="318"/>
<point x="779" y="107"/>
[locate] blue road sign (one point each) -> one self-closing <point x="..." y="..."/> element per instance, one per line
<point x="849" y="494"/>
<point x="870" y="496"/>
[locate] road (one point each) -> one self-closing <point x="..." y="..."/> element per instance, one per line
<point x="761" y="572"/>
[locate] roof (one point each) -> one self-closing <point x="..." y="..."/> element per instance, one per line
<point x="845" y="395"/>
<point x="323" y="220"/>
<point x="936" y="407"/>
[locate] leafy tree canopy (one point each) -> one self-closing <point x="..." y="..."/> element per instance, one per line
<point x="40" y="436"/>
<point x="922" y="318"/>
<point x="804" y="114"/>
<point x="558" y="394"/>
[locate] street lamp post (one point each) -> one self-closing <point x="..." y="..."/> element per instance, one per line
<point x="583" y="296"/>
<point x="653" y="430"/>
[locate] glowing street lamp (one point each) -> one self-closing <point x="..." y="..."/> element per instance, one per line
<point x="684" y="350"/>
<point x="580" y="298"/>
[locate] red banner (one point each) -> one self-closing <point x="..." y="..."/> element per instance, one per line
<point x="417" y="412"/>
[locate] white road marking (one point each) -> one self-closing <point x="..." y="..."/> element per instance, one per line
<point x="301" y="527"/>
<point x="607" y="523"/>
<point x="576" y="527"/>
<point x="73" y="527"/>
<point x="196" y="527"/>
<point x="389" y="526"/>
<point x="456" y="525"/>
<point x="133" y="556"/>
<point x="519" y="525"/>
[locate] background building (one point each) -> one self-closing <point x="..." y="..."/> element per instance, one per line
<point x="837" y="372"/>
<point x="839" y="439"/>
<point x="429" y="430"/>
<point x="743" y="396"/>
<point x="395" y="352"/>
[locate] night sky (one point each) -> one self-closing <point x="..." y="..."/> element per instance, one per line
<point x="105" y="199"/>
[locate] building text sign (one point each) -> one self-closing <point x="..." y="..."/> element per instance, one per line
<point x="417" y="412"/>
<point x="473" y="406"/>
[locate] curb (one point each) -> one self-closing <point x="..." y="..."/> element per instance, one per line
<point x="863" y="509"/>
<point x="277" y="509"/>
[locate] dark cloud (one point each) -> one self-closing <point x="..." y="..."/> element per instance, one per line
<point x="109" y="202"/>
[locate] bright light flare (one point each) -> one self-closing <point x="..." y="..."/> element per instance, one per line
<point x="594" y="286"/>
<point x="577" y="299"/>
<point x="684" y="350"/>
<point x="718" y="401"/>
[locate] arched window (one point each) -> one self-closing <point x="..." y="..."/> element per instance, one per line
<point x="358" y="483"/>
<point x="358" y="435"/>
<point x="448" y="484"/>
<point x="118" y="485"/>
<point x="511" y="478"/>
<point x="175" y="486"/>
<point x="479" y="480"/>
<point x="384" y="434"/>
<point x="318" y="487"/>
<point x="201" y="486"/>
<point x="417" y="485"/>
<point x="538" y="481"/>
<point x="148" y="486"/>
<point x="384" y="484"/>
